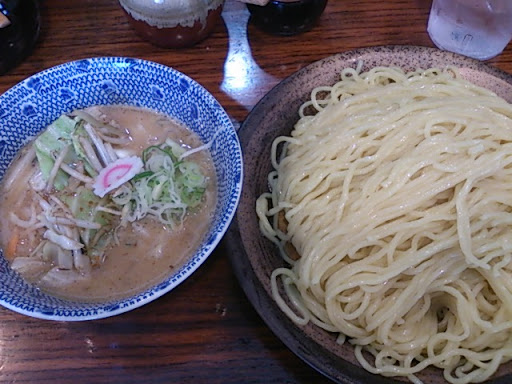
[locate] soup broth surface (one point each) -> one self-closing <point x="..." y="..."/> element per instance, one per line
<point x="148" y="251"/>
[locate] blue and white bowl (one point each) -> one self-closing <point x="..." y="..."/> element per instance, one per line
<point x="33" y="104"/>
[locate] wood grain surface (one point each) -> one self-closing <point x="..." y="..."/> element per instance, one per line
<point x="205" y="331"/>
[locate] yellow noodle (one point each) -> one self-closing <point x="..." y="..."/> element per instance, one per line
<point x="397" y="192"/>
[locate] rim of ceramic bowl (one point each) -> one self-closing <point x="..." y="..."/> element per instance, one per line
<point x="253" y="257"/>
<point x="94" y="81"/>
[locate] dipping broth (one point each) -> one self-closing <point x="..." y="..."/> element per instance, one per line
<point x="140" y="252"/>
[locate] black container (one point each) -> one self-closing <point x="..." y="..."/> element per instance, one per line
<point x="19" y="29"/>
<point x="287" y="17"/>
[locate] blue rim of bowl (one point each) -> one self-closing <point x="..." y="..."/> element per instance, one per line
<point x="81" y="311"/>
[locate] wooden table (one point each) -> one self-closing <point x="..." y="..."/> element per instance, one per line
<point x="205" y="331"/>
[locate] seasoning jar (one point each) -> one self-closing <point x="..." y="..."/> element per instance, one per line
<point x="173" y="23"/>
<point x="286" y="17"/>
<point x="19" y="29"/>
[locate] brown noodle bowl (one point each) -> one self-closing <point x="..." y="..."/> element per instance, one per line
<point x="397" y="195"/>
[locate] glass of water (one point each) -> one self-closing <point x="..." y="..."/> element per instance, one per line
<point x="476" y="28"/>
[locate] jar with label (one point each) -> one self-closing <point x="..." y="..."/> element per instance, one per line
<point x="286" y="17"/>
<point x="19" y="30"/>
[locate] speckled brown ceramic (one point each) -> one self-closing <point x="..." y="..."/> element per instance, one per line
<point x="253" y="257"/>
<point x="173" y="23"/>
